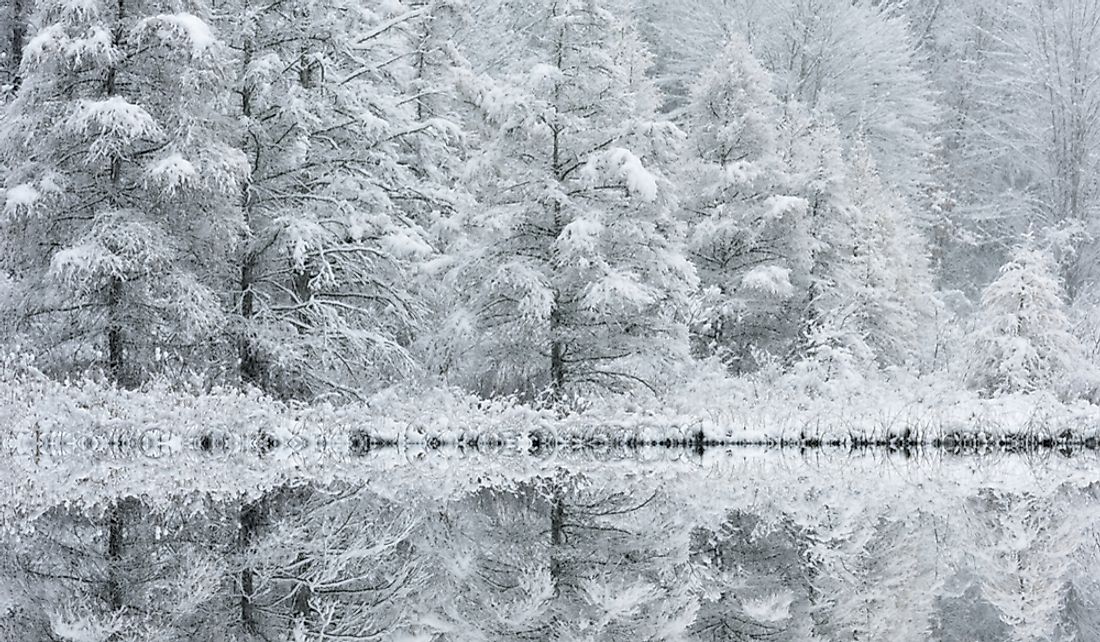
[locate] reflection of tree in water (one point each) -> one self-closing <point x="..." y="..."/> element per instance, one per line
<point x="560" y="558"/>
<point x="327" y="563"/>
<point x="756" y="584"/>
<point x="559" y="555"/>
<point x="123" y="572"/>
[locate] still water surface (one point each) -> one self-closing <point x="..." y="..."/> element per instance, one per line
<point x="736" y="544"/>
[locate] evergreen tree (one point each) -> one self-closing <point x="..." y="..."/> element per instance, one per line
<point x="334" y="97"/>
<point x="578" y="279"/>
<point x="822" y="249"/>
<point x="894" y="300"/>
<point x="1023" y="340"/>
<point x="742" y="219"/>
<point x="121" y="189"/>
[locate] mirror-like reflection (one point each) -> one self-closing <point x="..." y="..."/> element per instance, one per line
<point x="739" y="546"/>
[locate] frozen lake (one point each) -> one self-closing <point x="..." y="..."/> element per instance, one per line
<point x="445" y="544"/>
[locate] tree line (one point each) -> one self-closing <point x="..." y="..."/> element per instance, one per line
<point x="541" y="198"/>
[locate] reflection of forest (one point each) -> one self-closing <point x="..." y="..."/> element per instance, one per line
<point x="653" y="553"/>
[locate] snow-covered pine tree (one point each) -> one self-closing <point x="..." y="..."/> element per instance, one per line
<point x="895" y="300"/>
<point x="1022" y="339"/>
<point x="559" y="557"/>
<point x="742" y="219"/>
<point x="121" y="189"/>
<point x="578" y="279"/>
<point x="821" y="247"/>
<point x="334" y="96"/>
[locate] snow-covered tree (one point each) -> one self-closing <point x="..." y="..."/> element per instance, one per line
<point x="120" y="199"/>
<point x="755" y="584"/>
<point x="334" y="98"/>
<point x="577" y="279"/>
<point x="122" y="571"/>
<point x="894" y="300"/>
<point x="1022" y="339"/>
<point x="863" y="570"/>
<point x="826" y="275"/>
<point x="853" y="60"/>
<point x="1029" y="167"/>
<point x="742" y="220"/>
<point x="332" y="563"/>
<point x="560" y="557"/>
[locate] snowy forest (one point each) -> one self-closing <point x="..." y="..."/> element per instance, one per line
<point x="553" y="201"/>
<point x="549" y="320"/>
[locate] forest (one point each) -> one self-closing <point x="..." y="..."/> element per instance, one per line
<point x="562" y="203"/>
<point x="549" y="320"/>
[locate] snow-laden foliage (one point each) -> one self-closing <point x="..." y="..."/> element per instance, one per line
<point x="120" y="203"/>
<point x="748" y="233"/>
<point x="1005" y="171"/>
<point x="345" y="171"/>
<point x="1023" y="339"/>
<point x="576" y="279"/>
<point x="573" y="198"/>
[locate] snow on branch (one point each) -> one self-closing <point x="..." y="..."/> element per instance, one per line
<point x="185" y="27"/>
<point x="622" y="165"/>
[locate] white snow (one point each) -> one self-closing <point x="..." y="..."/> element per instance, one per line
<point x="191" y="27"/>
<point x="113" y="117"/>
<point x="780" y="206"/>
<point x="47" y="39"/>
<point x="173" y="171"/>
<point x="543" y="75"/>
<point x="773" y="280"/>
<point x="404" y="244"/>
<point x="618" y="289"/>
<point x="20" y="198"/>
<point x="83" y="628"/>
<point x="580" y="235"/>
<point x="770" y="609"/>
<point x="640" y="181"/>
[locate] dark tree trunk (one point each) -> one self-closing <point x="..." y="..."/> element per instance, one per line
<point x="115" y="351"/>
<point x="115" y="523"/>
<point x="250" y="368"/>
<point x="557" y="353"/>
<point x="250" y="517"/>
<point x="18" y="38"/>
<point x="557" y="537"/>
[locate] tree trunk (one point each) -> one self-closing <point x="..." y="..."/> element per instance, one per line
<point x="250" y="370"/>
<point x="557" y="313"/>
<point x="249" y="521"/>
<point x="557" y="352"/>
<point x="557" y="537"/>
<point x="115" y="350"/>
<point x="115" y="522"/>
<point x="18" y="36"/>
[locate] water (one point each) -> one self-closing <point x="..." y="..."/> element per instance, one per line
<point x="446" y="544"/>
